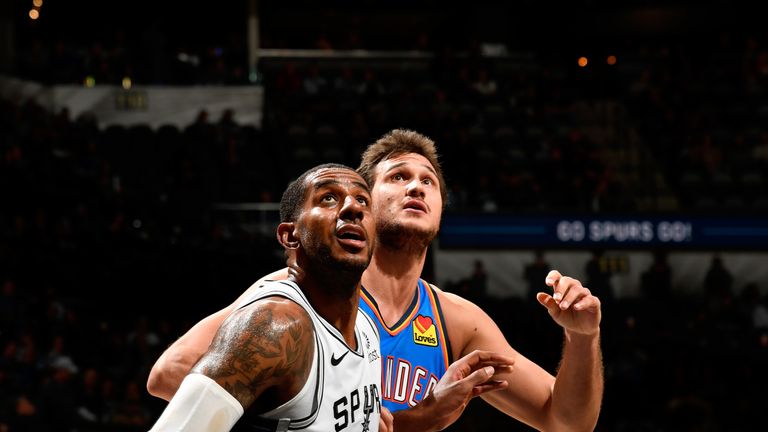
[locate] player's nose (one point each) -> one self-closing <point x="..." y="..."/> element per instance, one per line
<point x="351" y="209"/>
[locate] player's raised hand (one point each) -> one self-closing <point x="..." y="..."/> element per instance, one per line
<point x="571" y="305"/>
<point x="470" y="376"/>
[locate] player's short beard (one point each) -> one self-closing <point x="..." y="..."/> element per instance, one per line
<point x="353" y="267"/>
<point x="394" y="236"/>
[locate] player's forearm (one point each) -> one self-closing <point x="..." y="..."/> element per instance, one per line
<point x="425" y="417"/>
<point x="200" y="404"/>
<point x="176" y="362"/>
<point x="578" y="390"/>
<point x="169" y="371"/>
<point x="406" y="420"/>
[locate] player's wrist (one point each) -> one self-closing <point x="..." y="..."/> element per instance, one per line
<point x="573" y="336"/>
<point x="426" y="416"/>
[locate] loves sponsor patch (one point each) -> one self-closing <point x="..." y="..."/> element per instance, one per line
<point x="424" y="331"/>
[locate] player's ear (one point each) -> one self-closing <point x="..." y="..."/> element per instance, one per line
<point x="286" y="235"/>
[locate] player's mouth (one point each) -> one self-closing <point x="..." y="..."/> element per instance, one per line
<point x="415" y="205"/>
<point x="351" y="237"/>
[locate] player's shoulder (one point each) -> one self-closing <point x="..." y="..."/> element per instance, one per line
<point x="274" y="311"/>
<point x="461" y="318"/>
<point x="248" y="294"/>
<point x="279" y="275"/>
<point x="452" y="303"/>
<point x="273" y="335"/>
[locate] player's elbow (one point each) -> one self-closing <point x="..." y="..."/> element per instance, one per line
<point x="582" y="422"/>
<point x="152" y="384"/>
<point x="574" y="427"/>
<point x="156" y="384"/>
<point x="160" y="380"/>
<point x="169" y="371"/>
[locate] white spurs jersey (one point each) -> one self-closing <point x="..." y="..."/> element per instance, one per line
<point x="342" y="392"/>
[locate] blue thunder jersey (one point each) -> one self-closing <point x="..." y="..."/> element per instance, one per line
<point x="415" y="350"/>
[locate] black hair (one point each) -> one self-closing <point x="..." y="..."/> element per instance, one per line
<point x="293" y="197"/>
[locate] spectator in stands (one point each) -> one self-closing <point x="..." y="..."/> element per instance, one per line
<point x="58" y="396"/>
<point x="288" y="80"/>
<point x="474" y="287"/>
<point x="755" y="308"/>
<point x="132" y="412"/>
<point x="535" y="272"/>
<point x="478" y="282"/>
<point x="484" y="84"/>
<point x="314" y="82"/>
<point x="760" y="151"/>
<point x="718" y="281"/>
<point x="88" y="401"/>
<point x="371" y="88"/>
<point x="599" y="276"/>
<point x="656" y="281"/>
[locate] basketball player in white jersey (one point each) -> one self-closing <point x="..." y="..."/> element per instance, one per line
<point x="297" y="354"/>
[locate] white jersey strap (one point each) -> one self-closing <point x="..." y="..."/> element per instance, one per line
<point x="200" y="404"/>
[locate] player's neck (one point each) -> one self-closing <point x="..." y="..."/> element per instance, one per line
<point x="334" y="299"/>
<point x="342" y="316"/>
<point x="392" y="276"/>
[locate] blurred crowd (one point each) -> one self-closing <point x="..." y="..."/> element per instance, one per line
<point x="105" y="258"/>
<point x="684" y="357"/>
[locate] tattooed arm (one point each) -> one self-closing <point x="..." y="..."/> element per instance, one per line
<point x="266" y="346"/>
<point x="260" y="357"/>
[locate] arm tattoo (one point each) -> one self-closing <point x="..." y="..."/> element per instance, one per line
<point x="258" y="347"/>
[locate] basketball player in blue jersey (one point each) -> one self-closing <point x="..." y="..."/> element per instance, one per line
<point x="424" y="329"/>
<point x="297" y="354"/>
